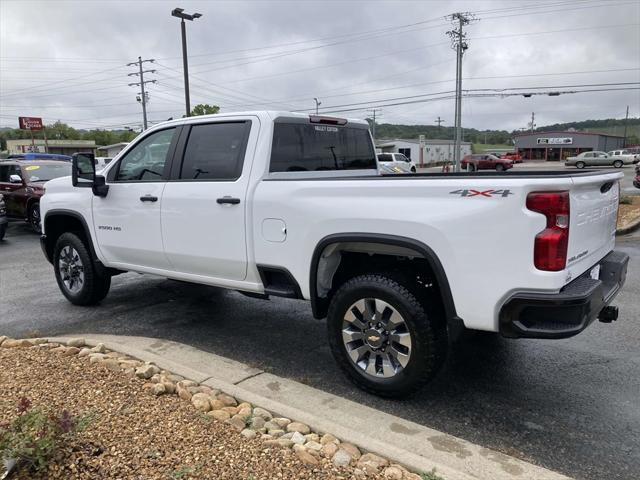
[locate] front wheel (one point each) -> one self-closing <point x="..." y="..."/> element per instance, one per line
<point x="579" y="164"/>
<point x="76" y="274"/>
<point x="34" y="218"/>
<point x="499" y="167"/>
<point x="413" y="169"/>
<point x="471" y="167"/>
<point x="382" y="336"/>
<point x="618" y="164"/>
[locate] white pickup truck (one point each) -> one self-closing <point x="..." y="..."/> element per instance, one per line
<point x="283" y="204"/>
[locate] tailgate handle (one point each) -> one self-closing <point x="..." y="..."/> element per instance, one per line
<point x="606" y="187"/>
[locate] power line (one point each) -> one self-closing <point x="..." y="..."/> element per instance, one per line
<point x="143" y="99"/>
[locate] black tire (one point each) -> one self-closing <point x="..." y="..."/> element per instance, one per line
<point x="34" y="217"/>
<point x="580" y="165"/>
<point x="424" y="323"/>
<point x="618" y="164"/>
<point x="413" y="169"/>
<point x="499" y="167"/>
<point x="471" y="167"/>
<point x="3" y="231"/>
<point x="94" y="286"/>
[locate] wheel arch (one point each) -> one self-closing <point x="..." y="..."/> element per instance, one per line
<point x="59" y="221"/>
<point x="392" y="245"/>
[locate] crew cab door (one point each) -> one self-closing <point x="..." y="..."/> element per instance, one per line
<point x="204" y="206"/>
<point x="127" y="219"/>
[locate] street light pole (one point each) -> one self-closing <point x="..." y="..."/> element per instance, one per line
<point x="179" y="13"/>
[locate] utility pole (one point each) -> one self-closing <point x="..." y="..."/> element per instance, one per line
<point x="459" y="43"/>
<point x="318" y="103"/>
<point x="439" y="121"/>
<point x="373" y="128"/>
<point x="179" y="13"/>
<point x="626" y="119"/>
<point x="144" y="98"/>
<point x="532" y="125"/>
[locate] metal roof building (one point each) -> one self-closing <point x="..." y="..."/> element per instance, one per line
<point x="557" y="146"/>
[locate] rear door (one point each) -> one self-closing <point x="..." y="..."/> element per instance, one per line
<point x="204" y="206"/>
<point x="127" y="220"/>
<point x="14" y="193"/>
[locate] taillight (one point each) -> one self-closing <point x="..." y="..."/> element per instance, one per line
<point x="550" y="248"/>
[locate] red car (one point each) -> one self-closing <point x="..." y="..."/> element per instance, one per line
<point x="484" y="161"/>
<point x="22" y="185"/>
<point x="513" y="156"/>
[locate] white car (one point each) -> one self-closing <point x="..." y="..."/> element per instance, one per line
<point x="292" y="205"/>
<point x="626" y="155"/>
<point x="397" y="160"/>
<point x="102" y="162"/>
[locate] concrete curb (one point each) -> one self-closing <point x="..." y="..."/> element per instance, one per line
<point x="417" y="447"/>
<point x="630" y="227"/>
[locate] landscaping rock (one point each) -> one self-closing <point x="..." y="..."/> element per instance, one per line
<point x="306" y="458"/>
<point x="342" y="458"/>
<point x="76" y="342"/>
<point x="247" y="433"/>
<point x="276" y="433"/>
<point x="393" y="473"/>
<point x="201" y="401"/>
<point x="282" y="422"/>
<point x="228" y="400"/>
<point x="220" y="415"/>
<point x="262" y="413"/>
<point x="71" y="351"/>
<point x="237" y="422"/>
<point x="168" y="387"/>
<point x="61" y="349"/>
<point x="96" y="357"/>
<point x="2" y="339"/>
<point x="99" y="348"/>
<point x="183" y="393"/>
<point x="245" y="412"/>
<point x="158" y="389"/>
<point x="11" y="343"/>
<point x="111" y="364"/>
<point x="352" y="449"/>
<point x="257" y="423"/>
<point x="146" y="371"/>
<point x="298" y="427"/>
<point x="312" y="437"/>
<point x="328" y="438"/>
<point x="371" y="463"/>
<point x="313" y="446"/>
<point x="329" y="450"/>
<point x="84" y="352"/>
<point x="298" y="438"/>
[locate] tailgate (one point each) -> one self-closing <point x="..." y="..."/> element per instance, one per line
<point x="594" y="212"/>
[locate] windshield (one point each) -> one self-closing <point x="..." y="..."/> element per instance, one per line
<point x="44" y="173"/>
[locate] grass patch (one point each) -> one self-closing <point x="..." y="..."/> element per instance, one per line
<point x="626" y="200"/>
<point x="432" y="475"/>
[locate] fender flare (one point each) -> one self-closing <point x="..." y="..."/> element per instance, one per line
<point x="319" y="308"/>
<point x="48" y="249"/>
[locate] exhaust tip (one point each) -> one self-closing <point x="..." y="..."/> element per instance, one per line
<point x="608" y="314"/>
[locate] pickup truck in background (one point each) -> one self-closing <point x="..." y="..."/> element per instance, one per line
<point x="626" y="155"/>
<point x="292" y="205"/>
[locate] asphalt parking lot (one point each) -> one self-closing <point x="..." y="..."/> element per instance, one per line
<point x="571" y="405"/>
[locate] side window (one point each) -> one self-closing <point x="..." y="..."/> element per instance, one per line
<point x="4" y="173"/>
<point x="145" y="163"/>
<point x="588" y="155"/>
<point x="215" y="151"/>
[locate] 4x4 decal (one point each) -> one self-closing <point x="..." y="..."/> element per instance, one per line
<point x="482" y="193"/>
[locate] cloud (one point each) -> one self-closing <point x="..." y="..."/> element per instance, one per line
<point x="67" y="59"/>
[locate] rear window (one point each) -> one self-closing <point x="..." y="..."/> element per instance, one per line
<point x="385" y="157"/>
<point x="299" y="147"/>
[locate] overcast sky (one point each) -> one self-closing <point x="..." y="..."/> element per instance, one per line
<point x="67" y="59"/>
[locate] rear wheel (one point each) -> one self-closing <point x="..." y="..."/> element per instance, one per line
<point x="413" y="169"/>
<point x="618" y="164"/>
<point x="76" y="274"/>
<point x="382" y="336"/>
<point x="579" y="164"/>
<point x="499" y="167"/>
<point x="34" y="217"/>
<point x="471" y="167"/>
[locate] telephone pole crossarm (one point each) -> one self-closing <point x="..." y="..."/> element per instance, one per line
<point x="143" y="95"/>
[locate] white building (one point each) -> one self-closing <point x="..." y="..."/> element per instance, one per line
<point x="434" y="151"/>
<point x="112" y="150"/>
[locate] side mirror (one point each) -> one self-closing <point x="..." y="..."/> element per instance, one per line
<point x="83" y="174"/>
<point x="15" y="179"/>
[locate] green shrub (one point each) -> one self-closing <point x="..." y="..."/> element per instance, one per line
<point x="34" y="436"/>
<point x="626" y="200"/>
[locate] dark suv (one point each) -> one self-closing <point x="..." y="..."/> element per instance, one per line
<point x="3" y="218"/>
<point x="22" y="185"/>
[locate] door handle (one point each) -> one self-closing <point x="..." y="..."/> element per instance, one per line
<point x="228" y="200"/>
<point x="148" y="198"/>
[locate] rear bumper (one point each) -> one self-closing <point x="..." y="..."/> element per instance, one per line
<point x="567" y="313"/>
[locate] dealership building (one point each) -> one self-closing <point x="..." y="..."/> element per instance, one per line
<point x="64" y="147"/>
<point x="557" y="146"/>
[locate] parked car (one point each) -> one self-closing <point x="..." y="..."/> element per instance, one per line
<point x="625" y="155"/>
<point x="515" y="157"/>
<point x="596" y="159"/>
<point x="636" y="181"/>
<point x="22" y="184"/>
<point x="292" y="205"/>
<point x="483" y="161"/>
<point x="39" y="156"/>
<point x="397" y="160"/>
<point x="3" y="217"/>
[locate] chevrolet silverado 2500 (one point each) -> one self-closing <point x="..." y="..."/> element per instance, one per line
<point x="291" y="205"/>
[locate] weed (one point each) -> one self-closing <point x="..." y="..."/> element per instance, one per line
<point x="431" y="475"/>
<point x="626" y="200"/>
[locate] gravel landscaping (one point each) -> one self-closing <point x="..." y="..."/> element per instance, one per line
<point x="144" y="423"/>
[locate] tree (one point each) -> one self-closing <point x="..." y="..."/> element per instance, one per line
<point x="204" y="109"/>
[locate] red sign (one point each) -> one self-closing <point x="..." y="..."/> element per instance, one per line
<point x="30" y="123"/>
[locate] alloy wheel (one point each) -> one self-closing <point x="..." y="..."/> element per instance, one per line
<point x="71" y="269"/>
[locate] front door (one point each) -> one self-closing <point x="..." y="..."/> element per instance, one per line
<point x="14" y="193"/>
<point x="127" y="220"/>
<point x="204" y="205"/>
